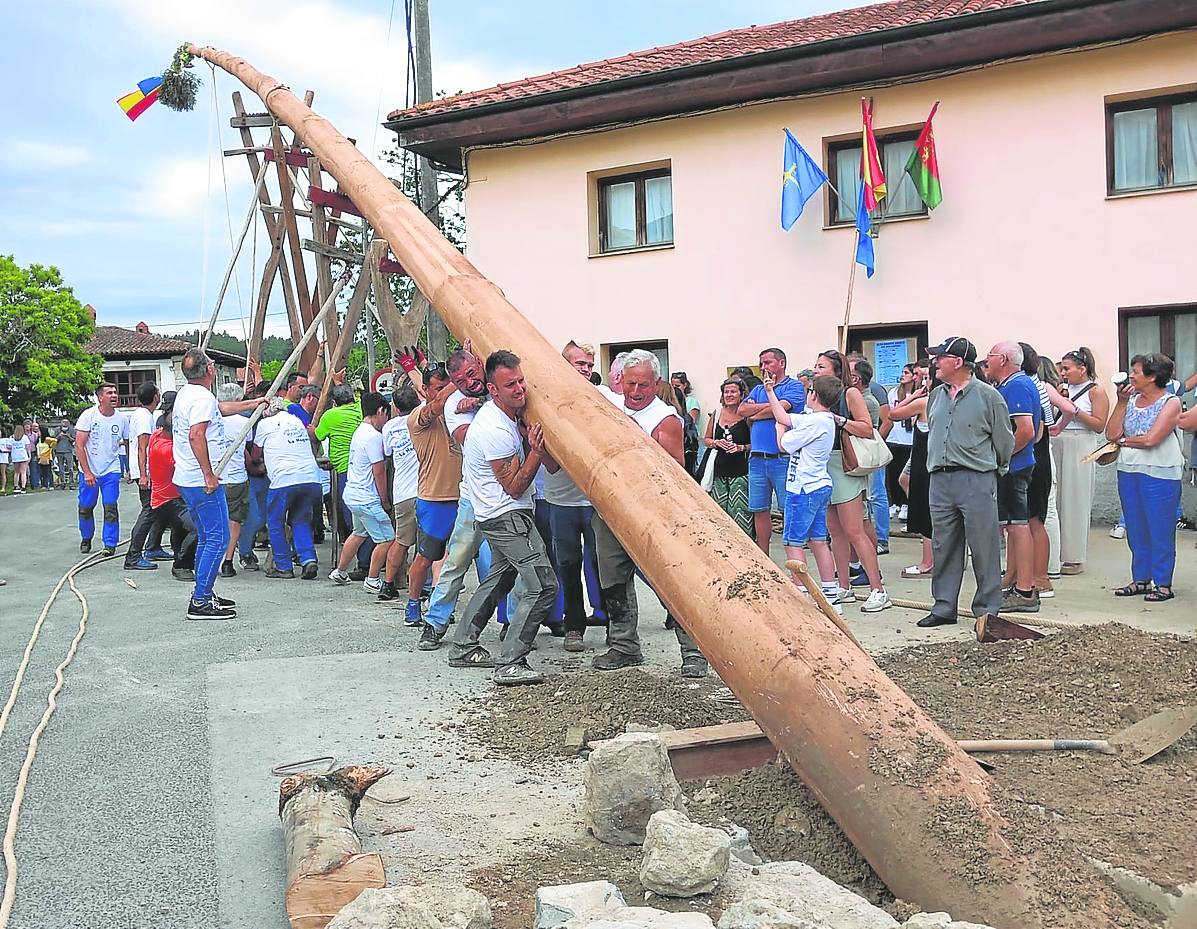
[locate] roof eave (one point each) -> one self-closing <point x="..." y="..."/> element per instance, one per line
<point x="915" y="50"/>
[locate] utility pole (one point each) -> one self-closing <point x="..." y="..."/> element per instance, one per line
<point x="438" y="334"/>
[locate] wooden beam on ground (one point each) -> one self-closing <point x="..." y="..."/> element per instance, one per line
<point x="287" y="202"/>
<point x="713" y="751"/>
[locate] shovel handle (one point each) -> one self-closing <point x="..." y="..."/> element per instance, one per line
<point x="1036" y="745"/>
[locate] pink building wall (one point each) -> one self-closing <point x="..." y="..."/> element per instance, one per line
<point x="1026" y="244"/>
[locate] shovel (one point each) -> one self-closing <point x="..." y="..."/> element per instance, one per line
<point x="1137" y="743"/>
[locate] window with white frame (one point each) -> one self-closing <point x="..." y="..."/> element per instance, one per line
<point x="843" y="167"/>
<point x="1151" y="143"/>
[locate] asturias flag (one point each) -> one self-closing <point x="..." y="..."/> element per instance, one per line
<point x="140" y="100"/>
<point x="864" y="241"/>
<point x="923" y="167"/>
<point x="872" y="177"/>
<point x="800" y="180"/>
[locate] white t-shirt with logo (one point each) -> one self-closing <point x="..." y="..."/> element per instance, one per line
<point x="396" y="442"/>
<point x="287" y="450"/>
<point x="104" y="437"/>
<point x="808" y="442"/>
<point x="195" y="404"/>
<point x="455" y="420"/>
<point x="234" y="471"/>
<point x="365" y="450"/>
<point x="493" y="436"/>
<point x="141" y="422"/>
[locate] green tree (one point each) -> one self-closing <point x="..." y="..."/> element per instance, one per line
<point x="43" y="328"/>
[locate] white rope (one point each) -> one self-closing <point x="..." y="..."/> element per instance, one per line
<point x="386" y="56"/>
<point x="207" y="220"/>
<point x="14" y="812"/>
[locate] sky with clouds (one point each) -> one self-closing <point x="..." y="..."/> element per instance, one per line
<point x="124" y="209"/>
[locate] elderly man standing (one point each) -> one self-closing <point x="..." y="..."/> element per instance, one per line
<point x="969" y="444"/>
<point x="617" y="571"/>
<point x="199" y="442"/>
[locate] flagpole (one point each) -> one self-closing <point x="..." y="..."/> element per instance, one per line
<point x="848" y="306"/>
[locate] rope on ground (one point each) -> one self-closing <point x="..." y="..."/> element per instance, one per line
<point x="1023" y="618"/>
<point x="14" y="813"/>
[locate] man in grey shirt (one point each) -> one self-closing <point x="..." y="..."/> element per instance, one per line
<point x="969" y="443"/>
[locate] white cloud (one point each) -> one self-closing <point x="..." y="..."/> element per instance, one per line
<point x="30" y="154"/>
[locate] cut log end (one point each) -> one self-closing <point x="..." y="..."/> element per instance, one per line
<point x="352" y="781"/>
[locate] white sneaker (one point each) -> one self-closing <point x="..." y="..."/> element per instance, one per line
<point x="337" y="576"/>
<point x="846" y="595"/>
<point x="371" y="585"/>
<point x="904" y="512"/>
<point x="894" y="511"/>
<point x="1118" y="532"/>
<point x="878" y="600"/>
<point x="832" y="595"/>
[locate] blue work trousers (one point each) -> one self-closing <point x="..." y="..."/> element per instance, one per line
<point x="108" y="488"/>
<point x="258" y="486"/>
<point x="291" y="506"/>
<point x="1149" y="507"/>
<point x="210" y="514"/>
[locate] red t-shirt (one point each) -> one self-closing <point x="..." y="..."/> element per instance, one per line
<point x="161" y="459"/>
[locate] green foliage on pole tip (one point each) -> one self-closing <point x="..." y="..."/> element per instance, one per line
<point x="180" y="84"/>
<point x="43" y="328"/>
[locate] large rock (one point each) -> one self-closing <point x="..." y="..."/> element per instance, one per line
<point x="938" y="921"/>
<point x="643" y="917"/>
<point x="412" y="906"/>
<point x="558" y="904"/>
<point x="627" y="779"/>
<point x="801" y="891"/>
<point x="757" y="914"/>
<point x="681" y="858"/>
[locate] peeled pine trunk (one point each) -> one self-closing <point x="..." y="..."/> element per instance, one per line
<point x="326" y="868"/>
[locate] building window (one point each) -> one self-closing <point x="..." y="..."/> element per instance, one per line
<point x="635" y="210"/>
<point x="843" y="167"/>
<point x="1169" y="329"/>
<point x="1151" y="144"/>
<point x="128" y="381"/>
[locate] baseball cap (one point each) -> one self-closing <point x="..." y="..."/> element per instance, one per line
<point x="168" y="401"/>
<point x="956" y="345"/>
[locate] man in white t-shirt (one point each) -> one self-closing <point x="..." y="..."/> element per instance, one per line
<point x="396" y="442"/>
<point x="145" y="543"/>
<point x="199" y="442"/>
<point x="367" y="495"/>
<point x="294" y="491"/>
<point x="100" y="434"/>
<point x="499" y="470"/>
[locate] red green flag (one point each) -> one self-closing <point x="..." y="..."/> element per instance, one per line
<point x="923" y="167"/>
<point x="872" y="176"/>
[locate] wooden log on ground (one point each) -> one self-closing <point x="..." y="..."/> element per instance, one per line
<point x="326" y="868"/>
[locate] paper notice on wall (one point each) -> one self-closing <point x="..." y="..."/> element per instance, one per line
<point x="891" y="357"/>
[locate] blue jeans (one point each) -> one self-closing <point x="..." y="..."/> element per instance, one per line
<point x="879" y="501"/>
<point x="544" y="527"/>
<point x="1149" y="507"/>
<point x="210" y="513"/>
<point x="345" y="524"/>
<point x="107" y="488"/>
<point x="806" y="517"/>
<point x="291" y="506"/>
<point x="258" y="486"/>
<point x="466" y="547"/>
<point x="573" y="544"/>
<point x="766" y="478"/>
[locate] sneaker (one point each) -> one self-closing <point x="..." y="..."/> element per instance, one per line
<point x="695" y="666"/>
<point x="1045" y="588"/>
<point x="337" y="576"/>
<point x="612" y="660"/>
<point x="85" y="546"/>
<point x="109" y="551"/>
<point x="209" y="610"/>
<point x="894" y="510"/>
<point x="411" y="615"/>
<point x="372" y="585"/>
<point x="182" y="574"/>
<point x="556" y="630"/>
<point x="388" y="591"/>
<point x="227" y="569"/>
<point x="882" y="548"/>
<point x="1015" y="602"/>
<point x="141" y="564"/>
<point x="573" y="642"/>
<point x="272" y="571"/>
<point x="430" y="638"/>
<point x="904" y="513"/>
<point x="518" y="673"/>
<point x="1118" y="532"/>
<point x="159" y="554"/>
<point x="476" y="657"/>
<point x="846" y="595"/>
<point x="250" y="562"/>
<point x="224" y="602"/>
<point x="878" y="600"/>
<point x="357" y="574"/>
<point x="311" y="571"/>
<point x="860" y="579"/>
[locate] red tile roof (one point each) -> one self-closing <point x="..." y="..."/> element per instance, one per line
<point x="734" y="43"/>
<point x="118" y="342"/>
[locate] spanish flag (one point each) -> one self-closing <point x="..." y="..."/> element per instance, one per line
<point x="141" y="99"/>
<point x="872" y="177"/>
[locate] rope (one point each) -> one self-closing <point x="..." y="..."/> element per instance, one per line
<point x="14" y="813"/>
<point x="381" y="81"/>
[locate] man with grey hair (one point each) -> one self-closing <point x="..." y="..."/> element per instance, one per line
<point x="199" y="442"/>
<point x="613" y="390"/>
<point x="617" y="572"/>
<point x="235" y="478"/>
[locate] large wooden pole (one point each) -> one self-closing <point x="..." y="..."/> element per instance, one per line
<point x="921" y="812"/>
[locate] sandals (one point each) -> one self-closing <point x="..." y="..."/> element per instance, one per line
<point x="914" y="571"/>
<point x="1135" y="589"/>
<point x="1157" y="595"/>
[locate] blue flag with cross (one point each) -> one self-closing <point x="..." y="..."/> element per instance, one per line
<point x="800" y="180"/>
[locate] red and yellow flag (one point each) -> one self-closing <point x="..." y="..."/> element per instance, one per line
<point x="872" y="176"/>
<point x="140" y="100"/>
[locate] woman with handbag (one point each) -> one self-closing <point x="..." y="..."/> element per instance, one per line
<point x="845" y="515"/>
<point x="725" y="470"/>
<point x="1150" y="466"/>
<point x="1075" y="437"/>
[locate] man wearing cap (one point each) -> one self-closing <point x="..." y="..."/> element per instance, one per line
<point x="969" y="444"/>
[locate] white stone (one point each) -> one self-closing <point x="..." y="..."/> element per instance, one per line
<point x="939" y="921"/>
<point x="412" y="906"/>
<point x="800" y="890"/>
<point x="627" y="779"/>
<point x="681" y="858"/>
<point x="741" y="845"/>
<point x="558" y="904"/>
<point x="757" y="914"/>
<point x="642" y="917"/>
